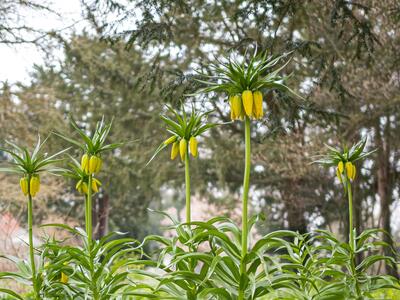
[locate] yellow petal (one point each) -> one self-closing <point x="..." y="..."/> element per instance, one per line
<point x="23" y="182"/>
<point x="183" y="148"/>
<point x="354" y="173"/>
<point x="247" y="97"/>
<point x="174" y="150"/>
<point x="258" y="105"/>
<point x="34" y="185"/>
<point x="193" y="146"/>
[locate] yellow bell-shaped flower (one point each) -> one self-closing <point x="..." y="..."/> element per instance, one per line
<point x="23" y="182"/>
<point x="258" y="112"/>
<point x="85" y="163"/>
<point x="193" y="146"/>
<point x="236" y="107"/>
<point x="34" y="185"/>
<point x="174" y="150"/>
<point x="94" y="164"/>
<point x="183" y="148"/>
<point x="247" y="97"/>
<point x="350" y="170"/>
<point x="95" y="185"/>
<point x="340" y="167"/>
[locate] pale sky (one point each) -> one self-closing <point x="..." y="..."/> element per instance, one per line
<point x="16" y="62"/>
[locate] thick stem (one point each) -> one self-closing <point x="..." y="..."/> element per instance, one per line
<point x="246" y="184"/>
<point x="89" y="229"/>
<point x="352" y="241"/>
<point x="31" y="246"/>
<point x="187" y="183"/>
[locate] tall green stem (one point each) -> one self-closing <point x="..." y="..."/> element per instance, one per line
<point x="187" y="183"/>
<point x="246" y="184"/>
<point x="31" y="246"/>
<point x="89" y="229"/>
<point x="352" y="241"/>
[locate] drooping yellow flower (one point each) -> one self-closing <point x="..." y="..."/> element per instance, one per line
<point x="84" y="187"/>
<point x="99" y="164"/>
<point x="95" y="185"/>
<point x="236" y="107"/>
<point x="193" y="146"/>
<point x="94" y="164"/>
<point x="340" y="167"/>
<point x="85" y="163"/>
<point x="23" y="182"/>
<point x="34" y="185"/>
<point x="258" y="112"/>
<point x="247" y="97"/>
<point x="350" y="170"/>
<point x="174" y="150"/>
<point x="183" y="148"/>
<point x="170" y="140"/>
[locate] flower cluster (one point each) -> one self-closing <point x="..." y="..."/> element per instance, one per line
<point x="243" y="79"/>
<point x="185" y="130"/>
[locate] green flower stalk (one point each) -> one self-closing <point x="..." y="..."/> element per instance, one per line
<point x="344" y="161"/>
<point x="93" y="146"/>
<point x="244" y="80"/>
<point x="29" y="165"/>
<point x="185" y="130"/>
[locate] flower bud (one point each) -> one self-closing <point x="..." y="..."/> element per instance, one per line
<point x="23" y="182"/>
<point x="34" y="185"/>
<point x="174" y="150"/>
<point x="85" y="163"/>
<point x="258" y="105"/>
<point x="183" y="148"/>
<point x="193" y="146"/>
<point x="247" y="98"/>
<point x="170" y="140"/>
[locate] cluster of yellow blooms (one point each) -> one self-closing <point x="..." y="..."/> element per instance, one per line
<point x="31" y="187"/>
<point x="249" y="104"/>
<point x="350" y="170"/>
<point x="82" y="186"/>
<point x="91" y="164"/>
<point x="181" y="147"/>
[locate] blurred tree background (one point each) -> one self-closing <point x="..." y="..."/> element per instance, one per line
<point x="133" y="57"/>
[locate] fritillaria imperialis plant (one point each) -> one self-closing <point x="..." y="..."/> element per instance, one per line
<point x="357" y="281"/>
<point x="184" y="130"/>
<point x="93" y="146"/>
<point x="244" y="80"/>
<point x="29" y="166"/>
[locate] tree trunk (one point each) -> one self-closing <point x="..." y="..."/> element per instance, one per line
<point x="384" y="191"/>
<point x="103" y="216"/>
